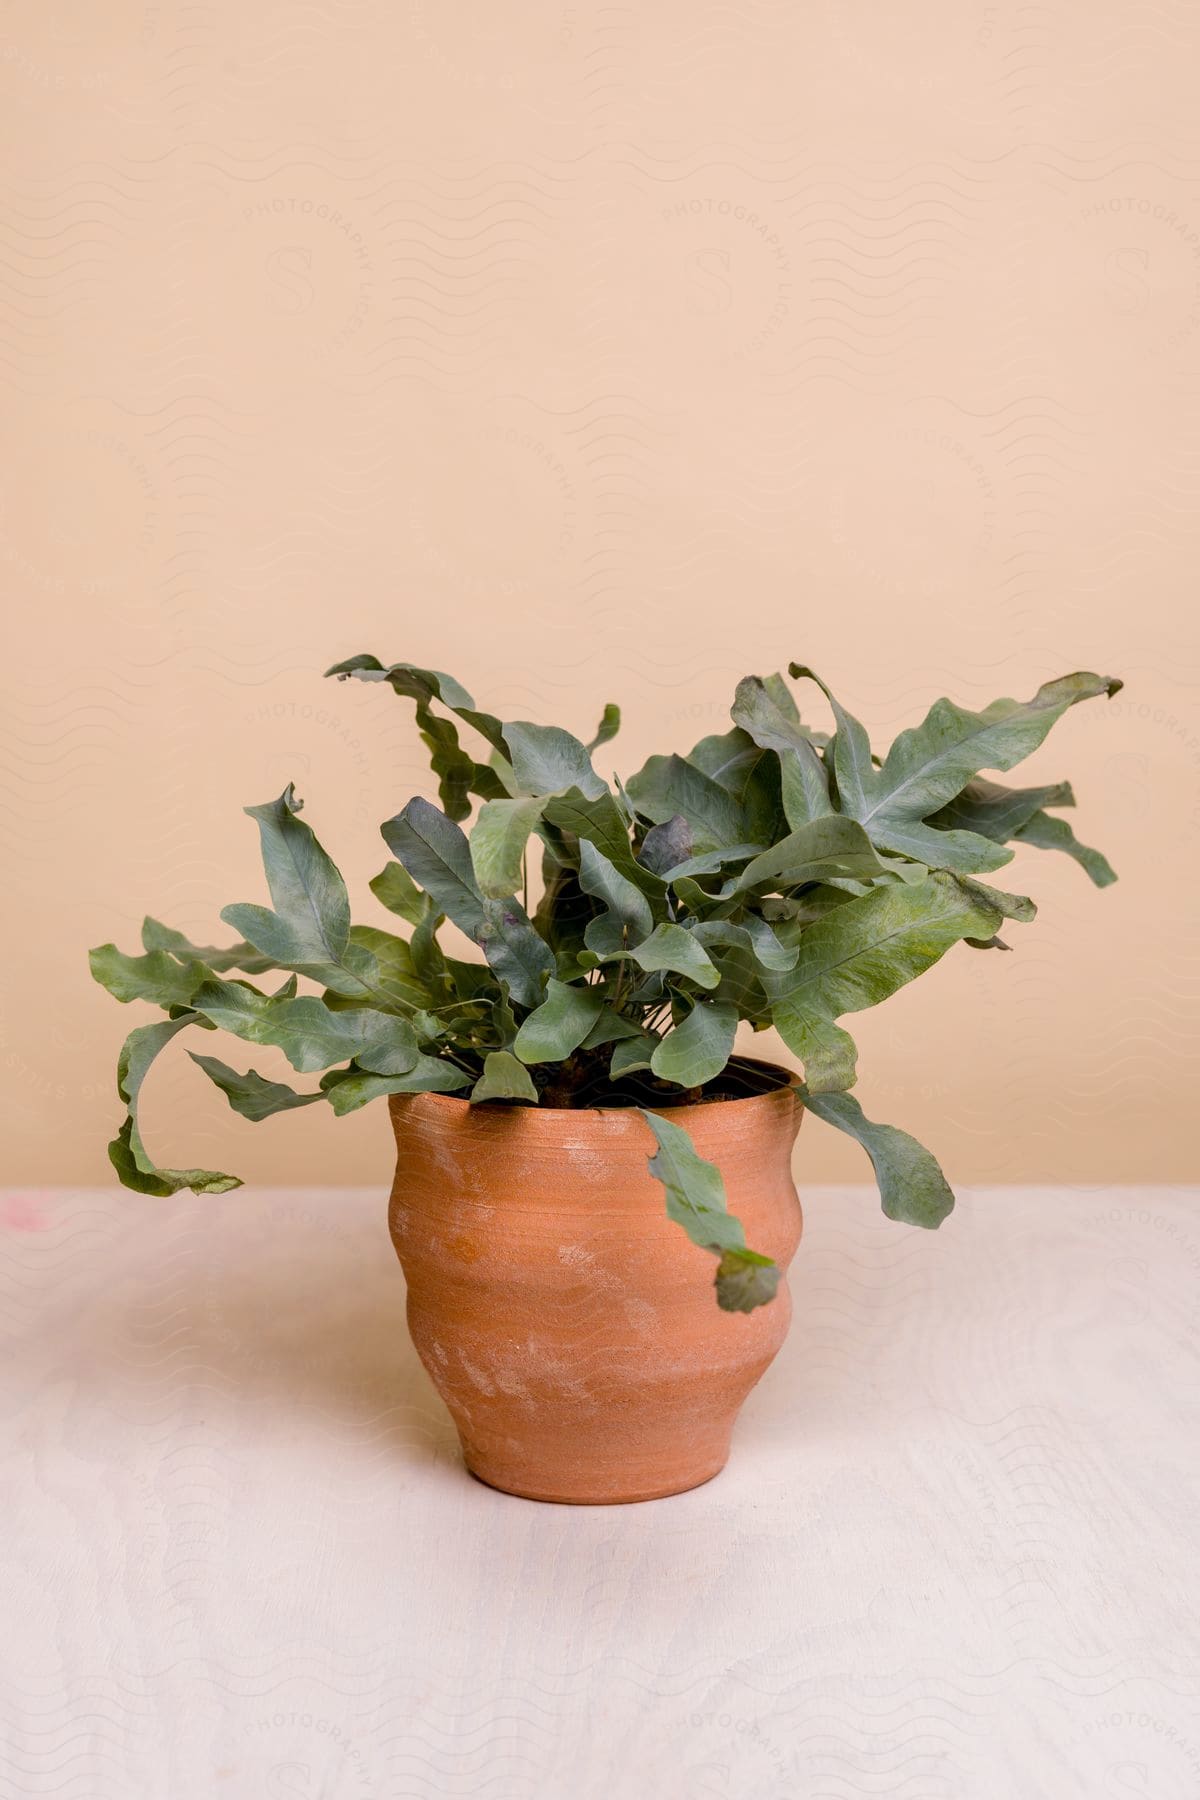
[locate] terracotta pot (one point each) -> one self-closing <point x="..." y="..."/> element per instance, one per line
<point x="572" y="1328"/>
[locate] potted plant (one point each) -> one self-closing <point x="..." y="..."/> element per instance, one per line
<point x="551" y="1092"/>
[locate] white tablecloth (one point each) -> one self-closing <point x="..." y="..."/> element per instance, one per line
<point x="954" y="1556"/>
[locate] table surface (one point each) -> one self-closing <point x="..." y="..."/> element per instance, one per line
<point x="954" y="1555"/>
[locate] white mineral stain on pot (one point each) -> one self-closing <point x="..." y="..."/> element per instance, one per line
<point x="476" y="1376"/>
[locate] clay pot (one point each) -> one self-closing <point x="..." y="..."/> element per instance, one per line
<point x="571" y="1327"/>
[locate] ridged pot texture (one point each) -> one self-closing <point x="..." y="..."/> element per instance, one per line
<point x="571" y="1328"/>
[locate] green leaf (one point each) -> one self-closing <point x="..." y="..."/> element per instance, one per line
<point x="395" y="888"/>
<point x="546" y="760"/>
<point x="245" y="957"/>
<point x="695" y="1195"/>
<point x="698" y="1049"/>
<point x="311" y="1035"/>
<point x="156" y="977"/>
<point x="610" y="724"/>
<point x="770" y="952"/>
<point x="560" y="1024"/>
<point x="346" y="1092"/>
<point x="667" y="786"/>
<point x="610" y="1028"/>
<point x="929" y="765"/>
<point x="435" y="852"/>
<point x="998" y="812"/>
<point x="746" y="1280"/>
<point x="828" y="1053"/>
<point x="1045" y="833"/>
<point x="1010" y="906"/>
<point x="127" y="1152"/>
<point x="851" y="750"/>
<point x="712" y="861"/>
<point x="627" y="916"/>
<point x="310" y="925"/>
<point x="437" y="855"/>
<point x="826" y="847"/>
<point x="521" y="959"/>
<point x="503" y="1078"/>
<point x="498" y="841"/>
<point x="632" y="1054"/>
<point x="695" y="1188"/>
<point x="252" y="1094"/>
<point x="423" y="685"/>
<point x="860" y="953"/>
<point x="754" y="936"/>
<point x="911" y="1185"/>
<point x="767" y="713"/>
<point x="397" y="980"/>
<point x="729" y="758"/>
<point x="459" y="774"/>
<point x="600" y="823"/>
<point x="673" y="948"/>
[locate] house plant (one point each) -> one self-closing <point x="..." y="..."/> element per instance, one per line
<point x="544" y="1091"/>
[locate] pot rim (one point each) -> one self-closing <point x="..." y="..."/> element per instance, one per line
<point x="548" y="1116"/>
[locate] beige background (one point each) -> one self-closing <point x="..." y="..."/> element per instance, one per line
<point x="597" y="352"/>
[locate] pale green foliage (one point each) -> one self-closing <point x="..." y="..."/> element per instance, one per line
<point x="773" y="876"/>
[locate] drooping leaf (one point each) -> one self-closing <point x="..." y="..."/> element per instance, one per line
<point x="156" y="936"/>
<point x="627" y="917"/>
<point x="423" y="685"/>
<point x="252" y="1094"/>
<point x="827" y="1052"/>
<point x="860" y="953"/>
<point x="395" y="888"/>
<point x="560" y="1024"/>
<point x="698" y="1049"/>
<point x="695" y="1188"/>
<point x="503" y="1078"/>
<point x="459" y="774"/>
<point x="498" y="841"/>
<point x="156" y="976"/>
<point x="127" y="1152"/>
<point x="695" y="1196"/>
<point x="745" y="1280"/>
<point x="347" y="1091"/>
<point x="1046" y="833"/>
<point x="311" y="1035"/>
<point x="547" y="760"/>
<point x="610" y="724"/>
<point x="911" y="1185"/>
<point x="673" y="948"/>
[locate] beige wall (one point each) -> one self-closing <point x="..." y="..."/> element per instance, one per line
<point x="592" y="353"/>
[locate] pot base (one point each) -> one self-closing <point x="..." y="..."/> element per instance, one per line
<point x="597" y="1499"/>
